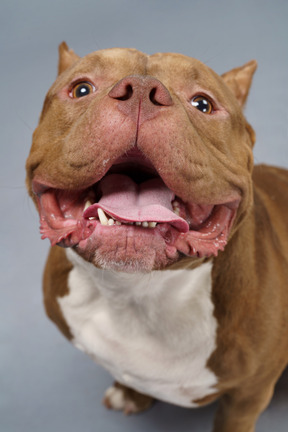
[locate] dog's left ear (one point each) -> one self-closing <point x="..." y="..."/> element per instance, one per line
<point x="66" y="57"/>
<point x="239" y="80"/>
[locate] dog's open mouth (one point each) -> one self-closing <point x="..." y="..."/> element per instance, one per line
<point x="132" y="196"/>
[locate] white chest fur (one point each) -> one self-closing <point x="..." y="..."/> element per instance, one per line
<point x="153" y="332"/>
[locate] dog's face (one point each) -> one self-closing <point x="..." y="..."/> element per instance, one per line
<point x="140" y="160"/>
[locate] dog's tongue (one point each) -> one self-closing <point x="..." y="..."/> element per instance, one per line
<point x="127" y="201"/>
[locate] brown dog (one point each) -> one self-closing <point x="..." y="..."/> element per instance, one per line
<point x="175" y="271"/>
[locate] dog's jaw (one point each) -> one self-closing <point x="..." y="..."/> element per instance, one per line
<point x="131" y="226"/>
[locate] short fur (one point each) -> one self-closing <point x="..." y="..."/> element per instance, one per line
<point x="205" y="160"/>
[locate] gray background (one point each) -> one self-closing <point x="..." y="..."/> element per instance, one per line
<point x="45" y="384"/>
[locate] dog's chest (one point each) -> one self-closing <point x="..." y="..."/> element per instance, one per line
<point x="153" y="332"/>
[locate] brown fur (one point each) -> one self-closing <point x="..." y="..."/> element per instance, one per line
<point x="55" y="286"/>
<point x="250" y="277"/>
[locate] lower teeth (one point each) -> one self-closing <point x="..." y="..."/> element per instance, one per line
<point x="103" y="219"/>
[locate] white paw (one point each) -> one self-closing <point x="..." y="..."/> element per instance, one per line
<point x="115" y="398"/>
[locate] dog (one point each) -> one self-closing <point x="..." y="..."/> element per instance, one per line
<point x="172" y="268"/>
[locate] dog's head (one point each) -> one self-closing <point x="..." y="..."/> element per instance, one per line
<point x="141" y="160"/>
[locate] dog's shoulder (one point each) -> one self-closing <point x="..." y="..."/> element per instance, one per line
<point x="271" y="179"/>
<point x="55" y="285"/>
<point x="271" y="201"/>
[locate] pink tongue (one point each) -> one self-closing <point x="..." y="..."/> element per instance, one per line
<point x="127" y="201"/>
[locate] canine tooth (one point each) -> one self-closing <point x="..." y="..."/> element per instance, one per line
<point x="152" y="224"/>
<point x="145" y="224"/>
<point x="176" y="210"/>
<point x="118" y="223"/>
<point x="138" y="223"/>
<point x="102" y="217"/>
<point x="111" y="222"/>
<point x="92" y="218"/>
<point x="87" y="204"/>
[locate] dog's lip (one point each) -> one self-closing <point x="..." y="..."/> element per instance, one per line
<point x="132" y="160"/>
<point x="65" y="229"/>
<point x="39" y="187"/>
<point x="65" y="219"/>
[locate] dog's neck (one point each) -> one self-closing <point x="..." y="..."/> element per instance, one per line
<point x="153" y="288"/>
<point x="131" y="324"/>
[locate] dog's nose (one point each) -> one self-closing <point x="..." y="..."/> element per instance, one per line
<point x="141" y="96"/>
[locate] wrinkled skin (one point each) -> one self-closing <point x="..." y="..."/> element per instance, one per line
<point x="144" y="163"/>
<point x="139" y="119"/>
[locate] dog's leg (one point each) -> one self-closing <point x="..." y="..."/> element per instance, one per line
<point x="239" y="409"/>
<point x="121" y="398"/>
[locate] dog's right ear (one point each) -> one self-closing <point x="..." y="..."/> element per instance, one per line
<point x="66" y="57"/>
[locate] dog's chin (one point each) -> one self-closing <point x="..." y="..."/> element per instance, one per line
<point x="130" y="249"/>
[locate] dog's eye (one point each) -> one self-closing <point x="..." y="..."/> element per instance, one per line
<point x="82" y="89"/>
<point x="202" y="104"/>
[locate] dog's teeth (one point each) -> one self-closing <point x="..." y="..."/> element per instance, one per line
<point x="105" y="221"/>
<point x="176" y="207"/>
<point x="87" y="204"/>
<point x="102" y="217"/>
<point x="152" y="224"/>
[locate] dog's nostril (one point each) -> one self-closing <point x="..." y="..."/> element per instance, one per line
<point x="126" y="94"/>
<point x="153" y="98"/>
<point x="159" y="95"/>
<point x="145" y="89"/>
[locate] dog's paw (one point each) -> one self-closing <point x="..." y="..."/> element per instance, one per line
<point x="114" y="398"/>
<point x="121" y="398"/>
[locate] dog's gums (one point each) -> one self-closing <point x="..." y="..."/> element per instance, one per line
<point x="127" y="204"/>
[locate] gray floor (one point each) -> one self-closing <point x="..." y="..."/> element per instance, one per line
<point x="45" y="384"/>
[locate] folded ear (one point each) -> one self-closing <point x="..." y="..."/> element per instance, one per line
<point x="239" y="80"/>
<point x="66" y="57"/>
